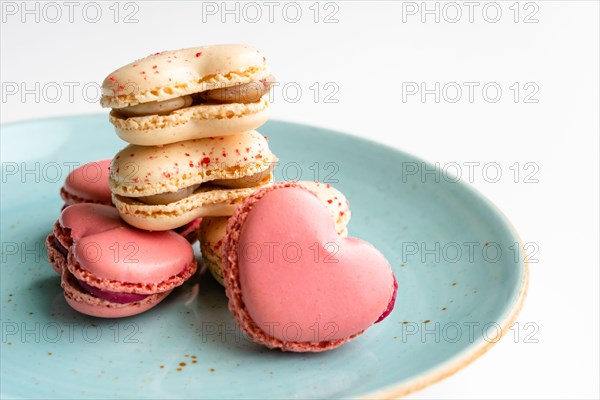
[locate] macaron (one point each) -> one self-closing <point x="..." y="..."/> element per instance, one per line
<point x="213" y="229"/>
<point x="111" y="270"/>
<point x="292" y="282"/>
<point x="87" y="183"/>
<point x="190" y="93"/>
<point x="165" y="187"/>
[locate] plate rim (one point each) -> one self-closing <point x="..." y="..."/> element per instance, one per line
<point x="444" y="370"/>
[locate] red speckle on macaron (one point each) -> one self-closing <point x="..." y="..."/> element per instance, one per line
<point x="205" y="160"/>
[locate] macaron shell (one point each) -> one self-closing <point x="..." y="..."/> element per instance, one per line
<point x="88" y="183"/>
<point x="210" y="201"/>
<point x="143" y="171"/>
<point x="55" y="257"/>
<point x="212" y="233"/>
<point x="86" y="219"/>
<point x="330" y="301"/>
<point x="171" y="74"/>
<point x="107" y="253"/>
<point x="213" y="229"/>
<point x="194" y="122"/>
<point x="90" y="305"/>
<point x="353" y="301"/>
<point x="134" y="256"/>
<point x="334" y="200"/>
<point x="213" y="262"/>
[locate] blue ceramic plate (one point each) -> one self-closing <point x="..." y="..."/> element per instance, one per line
<point x="461" y="281"/>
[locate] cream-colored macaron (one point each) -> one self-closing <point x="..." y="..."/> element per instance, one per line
<point x="165" y="187"/>
<point x="213" y="229"/>
<point x="191" y="93"/>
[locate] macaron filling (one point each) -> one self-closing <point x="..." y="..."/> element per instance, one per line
<point x="169" y="197"/>
<point x="248" y="181"/>
<point x="391" y="304"/>
<point x="240" y="93"/>
<point x="61" y="249"/>
<point x="113" y="297"/>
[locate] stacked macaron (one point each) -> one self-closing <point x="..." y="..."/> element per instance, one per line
<point x="88" y="183"/>
<point x="189" y="116"/>
<point x="195" y="163"/>
<point x="109" y="269"/>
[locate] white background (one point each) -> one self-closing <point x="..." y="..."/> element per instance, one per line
<point x="370" y="54"/>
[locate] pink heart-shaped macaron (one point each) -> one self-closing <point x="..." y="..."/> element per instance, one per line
<point x="110" y="269"/>
<point x="293" y="283"/>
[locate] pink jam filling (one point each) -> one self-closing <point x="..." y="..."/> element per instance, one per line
<point x="189" y="230"/>
<point x="60" y="247"/>
<point x="113" y="297"/>
<point x="390" y="306"/>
